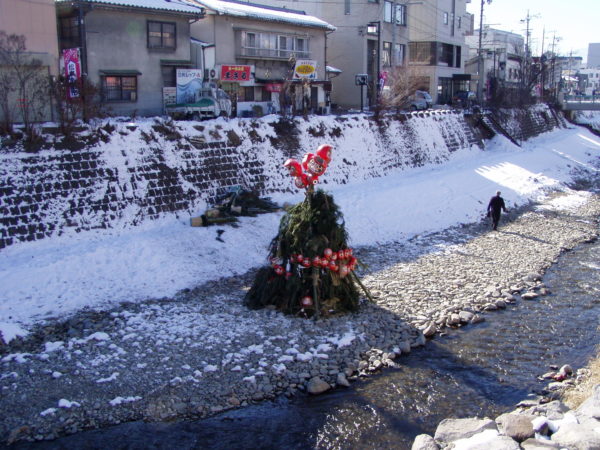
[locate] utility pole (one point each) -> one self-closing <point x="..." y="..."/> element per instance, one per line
<point x="480" y="58"/>
<point x="527" y="50"/>
<point x="542" y="61"/>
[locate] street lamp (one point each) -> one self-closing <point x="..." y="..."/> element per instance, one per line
<point x="372" y="28"/>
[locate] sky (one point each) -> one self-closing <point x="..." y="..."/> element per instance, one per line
<point x="574" y="22"/>
<point x="100" y="268"/>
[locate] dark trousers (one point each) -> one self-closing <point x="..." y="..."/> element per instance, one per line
<point x="495" y="219"/>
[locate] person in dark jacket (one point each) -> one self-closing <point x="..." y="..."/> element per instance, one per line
<point x="495" y="208"/>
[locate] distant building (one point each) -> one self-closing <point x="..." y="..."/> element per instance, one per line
<point x="593" y="56"/>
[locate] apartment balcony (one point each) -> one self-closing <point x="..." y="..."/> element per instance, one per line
<point x="268" y="53"/>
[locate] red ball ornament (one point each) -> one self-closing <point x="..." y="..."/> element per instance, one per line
<point x="324" y="151"/>
<point x="306" y="302"/>
<point x="294" y="167"/>
<point x="347" y="253"/>
<point x="333" y="266"/>
<point x="324" y="262"/>
<point x="299" y="258"/>
<point x="306" y="263"/>
<point x="316" y="261"/>
<point x="341" y="254"/>
<point x="327" y="253"/>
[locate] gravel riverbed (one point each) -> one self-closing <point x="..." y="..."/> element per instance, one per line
<point x="203" y="352"/>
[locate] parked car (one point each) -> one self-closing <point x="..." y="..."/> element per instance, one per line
<point x="421" y="100"/>
<point x="463" y="99"/>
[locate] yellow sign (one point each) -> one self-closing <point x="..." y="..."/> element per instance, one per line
<point x="305" y="68"/>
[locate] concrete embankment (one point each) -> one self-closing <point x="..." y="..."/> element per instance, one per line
<point x="178" y="358"/>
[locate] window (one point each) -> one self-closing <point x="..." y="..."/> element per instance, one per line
<point x="400" y="15"/>
<point x="273" y="45"/>
<point x="119" y="88"/>
<point x="301" y="47"/>
<point x="445" y="18"/>
<point x="399" y="52"/>
<point x="387" y="11"/>
<point x="161" y="35"/>
<point x="68" y="29"/>
<point x="386" y="54"/>
<point x="446" y="55"/>
<point x="373" y="1"/>
<point x="422" y="52"/>
<point x="247" y="94"/>
<point x="346" y="6"/>
<point x="459" y="21"/>
<point x="457" y="53"/>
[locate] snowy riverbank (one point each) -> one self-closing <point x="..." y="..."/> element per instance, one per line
<point x="201" y="351"/>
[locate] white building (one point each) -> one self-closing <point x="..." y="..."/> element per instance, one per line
<point x="593" y="56"/>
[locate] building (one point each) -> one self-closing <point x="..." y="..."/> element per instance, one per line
<point x="593" y="56"/>
<point x="503" y="59"/>
<point x="36" y="21"/>
<point x="589" y="81"/>
<point x="437" y="49"/>
<point x="129" y="49"/>
<point x="370" y="40"/>
<point x="266" y="58"/>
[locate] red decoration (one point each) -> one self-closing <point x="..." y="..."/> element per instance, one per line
<point x="301" y="181"/>
<point x="306" y="302"/>
<point x="333" y="267"/>
<point x="316" y="166"/>
<point x="324" y="151"/>
<point x="294" y="167"/>
<point x="307" y="262"/>
<point x="305" y="159"/>
<point x="299" y="258"/>
<point x="327" y="252"/>
<point x="316" y="261"/>
<point x="279" y="270"/>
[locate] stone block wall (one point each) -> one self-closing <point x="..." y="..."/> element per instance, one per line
<point x="142" y="172"/>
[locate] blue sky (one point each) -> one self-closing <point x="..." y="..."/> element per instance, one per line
<point x="576" y="22"/>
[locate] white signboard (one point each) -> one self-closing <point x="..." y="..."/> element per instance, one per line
<point x="189" y="82"/>
<point x="305" y="69"/>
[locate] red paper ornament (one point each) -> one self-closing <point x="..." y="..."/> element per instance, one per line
<point x="333" y="266"/>
<point x="324" y="151"/>
<point x="306" y="302"/>
<point x="334" y="256"/>
<point x="347" y="253"/>
<point x="294" y="167"/>
<point x="324" y="262"/>
<point x="299" y="258"/>
<point x="312" y="179"/>
<point x="307" y="263"/>
<point x="327" y="253"/>
<point x="316" y="261"/>
<point x="341" y="254"/>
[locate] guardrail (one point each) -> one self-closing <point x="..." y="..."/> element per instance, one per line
<point x="590" y="102"/>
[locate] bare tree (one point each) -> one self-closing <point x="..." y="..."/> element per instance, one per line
<point x="401" y="85"/>
<point x="23" y="84"/>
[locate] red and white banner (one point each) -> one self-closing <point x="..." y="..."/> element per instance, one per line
<point x="235" y="73"/>
<point x="72" y="63"/>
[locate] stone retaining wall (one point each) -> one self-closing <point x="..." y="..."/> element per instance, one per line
<point x="138" y="172"/>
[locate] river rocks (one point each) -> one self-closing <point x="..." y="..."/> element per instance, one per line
<point x="450" y="430"/>
<point x="517" y="426"/>
<point x="530" y="295"/>
<point x="317" y="386"/>
<point x="424" y="442"/>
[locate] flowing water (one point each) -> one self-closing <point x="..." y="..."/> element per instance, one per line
<point x="481" y="370"/>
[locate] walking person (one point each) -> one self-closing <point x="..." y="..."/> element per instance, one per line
<point x="495" y="208"/>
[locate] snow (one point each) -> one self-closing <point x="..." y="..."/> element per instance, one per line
<point x="101" y="268"/>
<point x="167" y="5"/>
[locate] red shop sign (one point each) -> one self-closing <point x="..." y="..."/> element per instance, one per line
<point x="235" y="73"/>
<point x="273" y="87"/>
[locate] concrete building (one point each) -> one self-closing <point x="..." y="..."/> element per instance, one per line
<point x="589" y="81"/>
<point x="437" y="49"/>
<point x="593" y="56"/>
<point x="36" y="21"/>
<point x="370" y="40"/>
<point x="266" y="58"/>
<point x="503" y="58"/>
<point x="130" y="51"/>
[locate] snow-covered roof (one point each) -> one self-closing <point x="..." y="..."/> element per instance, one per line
<point x="332" y="69"/>
<point x="261" y="12"/>
<point x="180" y="6"/>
